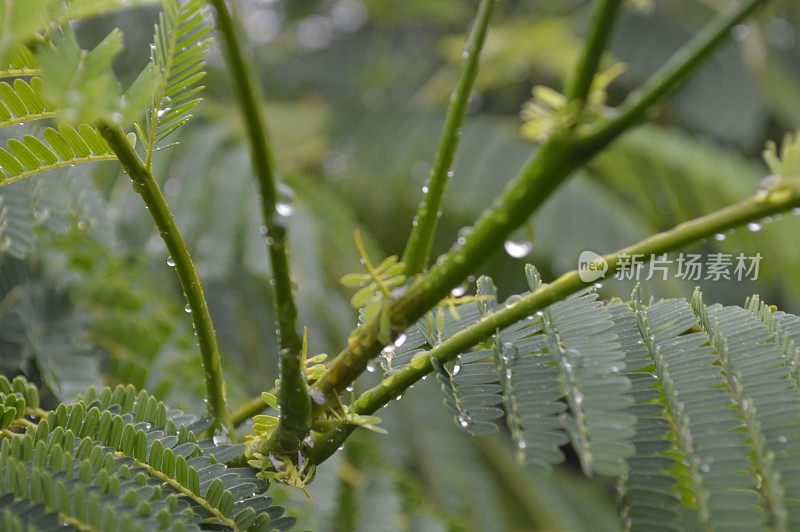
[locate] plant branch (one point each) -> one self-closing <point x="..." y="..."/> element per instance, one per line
<point x="783" y="196"/>
<point x="293" y="394"/>
<point x="548" y="167"/>
<point x="418" y="248"/>
<point x="604" y="15"/>
<point x="680" y="65"/>
<point x="145" y="184"/>
<point x="251" y="408"/>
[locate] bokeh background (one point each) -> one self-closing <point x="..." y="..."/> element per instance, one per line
<point x="356" y="93"/>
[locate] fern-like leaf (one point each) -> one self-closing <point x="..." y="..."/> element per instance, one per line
<point x="647" y="491"/>
<point x="66" y="146"/>
<point x="179" y="50"/>
<point x="21" y="62"/>
<point x="22" y="101"/>
<point x="710" y="449"/>
<point x="120" y="460"/>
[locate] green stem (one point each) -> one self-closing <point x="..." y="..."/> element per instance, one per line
<point x="782" y="197"/>
<point x="552" y="163"/>
<point x="293" y="394"/>
<point x="680" y="65"/>
<point x="603" y="17"/>
<point x="145" y="184"/>
<point x="423" y="230"/>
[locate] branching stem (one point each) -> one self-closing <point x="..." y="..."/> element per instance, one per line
<point x="783" y="197"/>
<point x="552" y="163"/>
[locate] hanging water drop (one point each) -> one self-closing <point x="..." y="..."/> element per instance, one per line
<point x="284" y="204"/>
<point x="187" y="309"/>
<point x="400" y="340"/>
<point x="170" y="262"/>
<point x="719" y="237"/>
<point x="518" y="249"/>
<point x="371" y="367"/>
<point x="754" y="227"/>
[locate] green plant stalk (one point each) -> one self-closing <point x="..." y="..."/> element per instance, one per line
<point x="688" y="58"/>
<point x="780" y="198"/>
<point x="549" y="166"/>
<point x="604" y="15"/>
<point x="145" y="184"/>
<point x="293" y="395"/>
<point x="418" y="248"/>
<point x="251" y="408"/>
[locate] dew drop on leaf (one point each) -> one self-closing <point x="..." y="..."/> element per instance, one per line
<point x="187" y="309"/>
<point x="719" y="237"/>
<point x="754" y="227"/>
<point x="170" y="262"/>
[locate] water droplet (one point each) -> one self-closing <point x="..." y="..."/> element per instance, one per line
<point x="425" y="189"/>
<point x="719" y="237"/>
<point x="512" y="300"/>
<point x="284" y="204"/>
<point x="400" y="340"/>
<point x="456" y="369"/>
<point x="598" y="286"/>
<point x="170" y="262"/>
<point x="782" y="439"/>
<point x="371" y="367"/>
<point x="463" y="234"/>
<point x="521" y="444"/>
<point x="754" y="227"/>
<point x="263" y="229"/>
<point x="463" y="419"/>
<point x="796" y="211"/>
<point x="764" y="186"/>
<point x="349" y="388"/>
<point x="459" y="291"/>
<point x="187" y="309"/>
<point x="318" y="396"/>
<point x="518" y="249"/>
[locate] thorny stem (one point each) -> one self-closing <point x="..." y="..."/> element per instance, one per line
<point x="145" y="184"/>
<point x="782" y="197"/>
<point x="552" y="163"/>
<point x="293" y="395"/>
<point x="418" y="247"/>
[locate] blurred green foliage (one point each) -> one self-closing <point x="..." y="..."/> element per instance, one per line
<point x="357" y="91"/>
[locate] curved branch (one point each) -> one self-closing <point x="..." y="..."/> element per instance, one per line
<point x="145" y="184"/>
